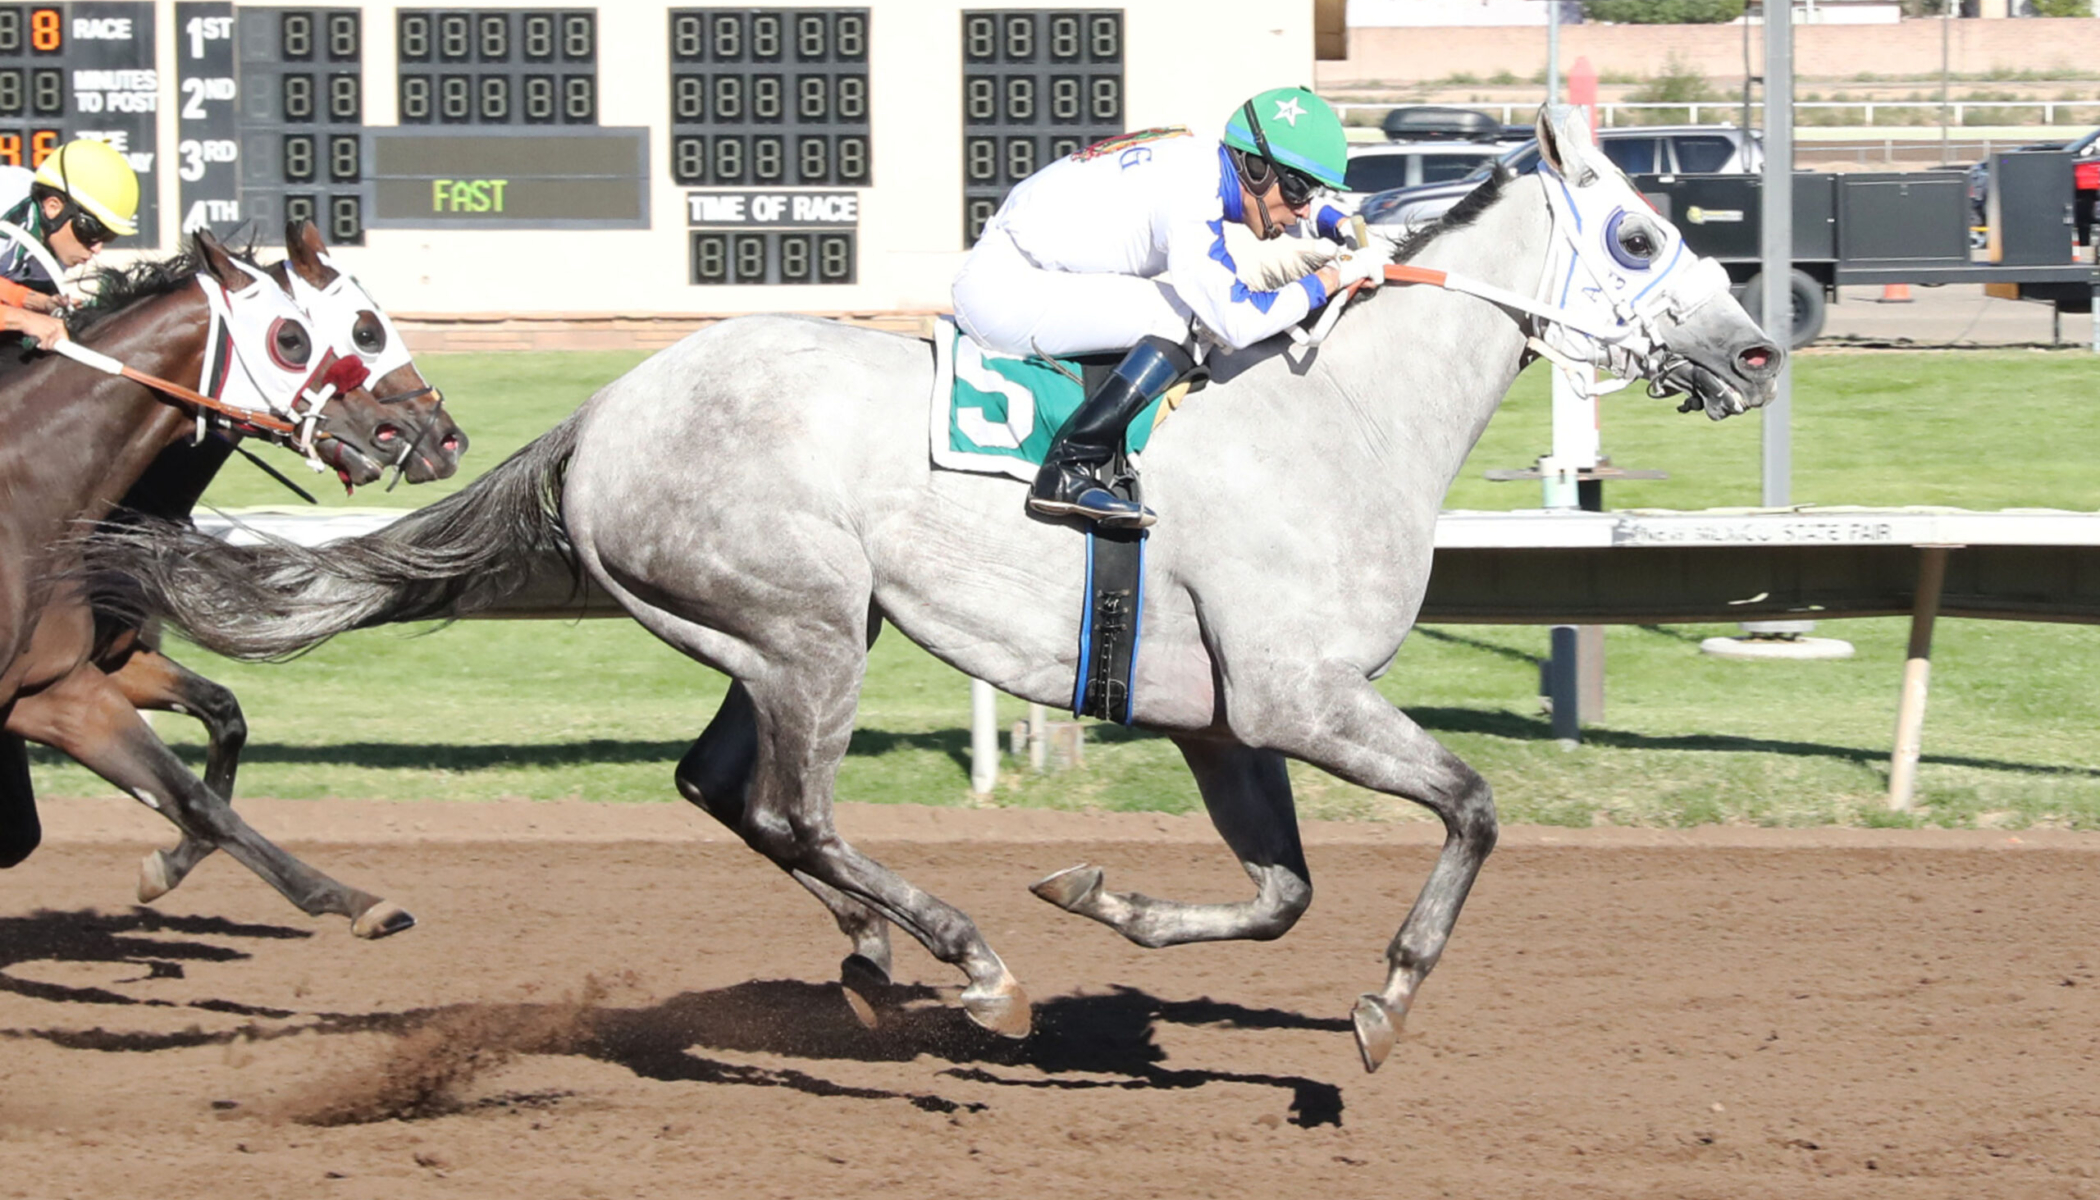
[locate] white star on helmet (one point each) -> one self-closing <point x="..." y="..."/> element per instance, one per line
<point x="1288" y="111"/>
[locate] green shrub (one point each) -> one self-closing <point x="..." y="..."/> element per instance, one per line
<point x="2062" y="8"/>
<point x="1679" y="83"/>
<point x="1663" y="12"/>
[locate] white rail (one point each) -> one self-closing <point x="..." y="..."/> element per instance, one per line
<point x="1731" y="111"/>
<point x="2056" y="583"/>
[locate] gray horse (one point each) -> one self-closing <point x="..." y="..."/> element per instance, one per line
<point x="760" y="497"/>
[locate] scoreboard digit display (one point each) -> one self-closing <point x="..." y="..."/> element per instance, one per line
<point x="302" y="118"/>
<point x="689" y="156"/>
<point x="81" y="70"/>
<point x="1038" y="84"/>
<point x="769" y="97"/>
<point x="497" y="66"/>
<point x="801" y="256"/>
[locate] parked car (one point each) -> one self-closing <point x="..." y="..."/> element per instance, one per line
<point x="1638" y="150"/>
<point x="1438" y="123"/>
<point x="1379" y="166"/>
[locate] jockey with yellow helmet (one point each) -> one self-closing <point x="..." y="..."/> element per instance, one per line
<point x="53" y="220"/>
<point x="1122" y="246"/>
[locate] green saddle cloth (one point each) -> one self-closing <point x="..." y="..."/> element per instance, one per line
<point x="995" y="414"/>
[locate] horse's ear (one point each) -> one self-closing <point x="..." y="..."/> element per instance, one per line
<point x="217" y="262"/>
<point x="304" y="248"/>
<point x="1564" y="136"/>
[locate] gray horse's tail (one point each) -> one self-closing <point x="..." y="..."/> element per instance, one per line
<point x="463" y="553"/>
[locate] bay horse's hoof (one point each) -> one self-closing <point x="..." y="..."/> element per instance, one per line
<point x="157" y="877"/>
<point x="865" y="985"/>
<point x="1069" y="888"/>
<point x="383" y="919"/>
<point x="1377" y="1029"/>
<point x="1002" y="1008"/>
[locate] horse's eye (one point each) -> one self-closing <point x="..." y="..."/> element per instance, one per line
<point x="369" y="334"/>
<point x="1633" y="240"/>
<point x="290" y="347"/>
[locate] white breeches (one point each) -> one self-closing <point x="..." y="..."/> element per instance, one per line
<point x="1009" y="305"/>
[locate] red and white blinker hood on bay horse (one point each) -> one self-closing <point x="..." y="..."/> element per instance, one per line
<point x="261" y="353"/>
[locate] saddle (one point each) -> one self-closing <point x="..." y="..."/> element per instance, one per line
<point x="996" y="414"/>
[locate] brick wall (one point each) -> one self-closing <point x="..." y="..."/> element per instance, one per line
<point x="1909" y="49"/>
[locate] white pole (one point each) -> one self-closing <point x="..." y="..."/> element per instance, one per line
<point x="984" y="737"/>
<point x="1917" y="676"/>
<point x="1038" y="738"/>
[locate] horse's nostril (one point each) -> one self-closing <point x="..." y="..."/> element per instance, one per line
<point x="1756" y="358"/>
<point x="451" y="443"/>
<point x="386" y="433"/>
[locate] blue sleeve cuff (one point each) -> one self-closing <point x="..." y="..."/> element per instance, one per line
<point x="1329" y="223"/>
<point x="1315" y="291"/>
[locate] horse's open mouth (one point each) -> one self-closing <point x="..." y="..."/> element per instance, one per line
<point x="1702" y="389"/>
<point x="351" y="464"/>
<point x="1747" y="383"/>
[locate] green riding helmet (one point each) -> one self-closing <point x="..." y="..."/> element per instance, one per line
<point x="1301" y="129"/>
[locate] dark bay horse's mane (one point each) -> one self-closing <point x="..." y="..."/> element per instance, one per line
<point x="115" y="289"/>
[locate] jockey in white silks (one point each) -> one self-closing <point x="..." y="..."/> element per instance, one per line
<point x="1122" y="246"/>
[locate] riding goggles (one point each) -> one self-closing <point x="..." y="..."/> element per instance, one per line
<point x="1297" y="188"/>
<point x="89" y="228"/>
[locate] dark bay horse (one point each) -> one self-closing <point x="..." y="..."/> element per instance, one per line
<point x="397" y="420"/>
<point x="73" y="443"/>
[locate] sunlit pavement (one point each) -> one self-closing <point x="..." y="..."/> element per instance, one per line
<point x="1958" y="314"/>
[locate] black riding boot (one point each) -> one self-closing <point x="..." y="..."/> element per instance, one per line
<point x="1069" y="484"/>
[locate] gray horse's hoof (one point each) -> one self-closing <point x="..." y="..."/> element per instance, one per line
<point x="1377" y="1029"/>
<point x="1069" y="888"/>
<point x="865" y="985"/>
<point x="157" y="877"/>
<point x="1001" y="1008"/>
<point x="383" y="919"/>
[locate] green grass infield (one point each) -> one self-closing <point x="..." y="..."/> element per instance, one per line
<point x="601" y="710"/>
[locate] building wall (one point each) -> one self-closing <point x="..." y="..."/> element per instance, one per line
<point x="1909" y="48"/>
<point x="1177" y="69"/>
<point x="1371" y="13"/>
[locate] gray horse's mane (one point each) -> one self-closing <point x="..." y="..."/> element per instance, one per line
<point x="1460" y="215"/>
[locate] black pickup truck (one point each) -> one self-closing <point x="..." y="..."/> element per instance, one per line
<point x="1897" y="227"/>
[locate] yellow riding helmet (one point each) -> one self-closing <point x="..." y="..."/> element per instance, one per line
<point x="98" y="179"/>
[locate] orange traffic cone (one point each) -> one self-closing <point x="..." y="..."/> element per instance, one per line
<point x="1895" y="293"/>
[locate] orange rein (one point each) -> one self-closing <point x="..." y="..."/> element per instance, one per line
<point x="239" y="416"/>
<point x="110" y="366"/>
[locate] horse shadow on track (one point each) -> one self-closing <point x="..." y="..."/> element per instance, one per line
<point x="1081" y="1042"/>
<point x="128" y="938"/>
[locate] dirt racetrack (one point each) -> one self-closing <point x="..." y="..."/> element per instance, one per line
<point x="613" y="1001"/>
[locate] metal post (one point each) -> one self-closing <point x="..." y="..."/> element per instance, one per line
<point x="1946" y="22"/>
<point x="984" y="737"/>
<point x="1917" y="674"/>
<point x="1777" y="245"/>
<point x="1552" y="52"/>
<point x="1563" y="686"/>
<point x="1038" y="738"/>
